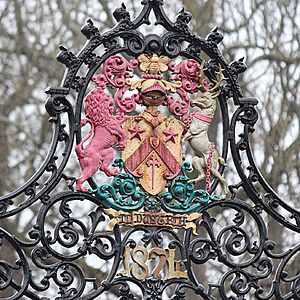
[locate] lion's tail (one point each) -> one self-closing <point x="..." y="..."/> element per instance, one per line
<point x="79" y="148"/>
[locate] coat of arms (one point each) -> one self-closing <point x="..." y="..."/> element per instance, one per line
<point x="147" y="122"/>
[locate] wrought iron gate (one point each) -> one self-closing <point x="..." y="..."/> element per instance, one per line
<point x="151" y="224"/>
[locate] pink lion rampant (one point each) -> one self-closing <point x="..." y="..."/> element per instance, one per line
<point x="106" y="131"/>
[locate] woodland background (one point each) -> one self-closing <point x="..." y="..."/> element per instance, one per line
<point x="265" y="32"/>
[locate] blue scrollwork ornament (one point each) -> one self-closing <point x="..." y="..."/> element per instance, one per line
<point x="182" y="198"/>
<point x="123" y="193"/>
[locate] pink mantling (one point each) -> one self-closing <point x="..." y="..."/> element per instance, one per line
<point x="179" y="108"/>
<point x="187" y="72"/>
<point x="116" y="72"/>
<point x="105" y="131"/>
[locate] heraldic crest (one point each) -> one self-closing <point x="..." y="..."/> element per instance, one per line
<point x="138" y="136"/>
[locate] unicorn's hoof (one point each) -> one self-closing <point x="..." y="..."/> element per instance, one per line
<point x="193" y="181"/>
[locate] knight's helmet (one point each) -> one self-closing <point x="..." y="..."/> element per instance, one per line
<point x="152" y="86"/>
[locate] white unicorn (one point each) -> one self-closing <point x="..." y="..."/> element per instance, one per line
<point x="206" y="159"/>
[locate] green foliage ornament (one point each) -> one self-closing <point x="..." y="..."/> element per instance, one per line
<point x="182" y="198"/>
<point x="122" y="194"/>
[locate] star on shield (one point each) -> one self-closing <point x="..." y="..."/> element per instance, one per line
<point x="136" y="132"/>
<point x="170" y="135"/>
<point x="153" y="152"/>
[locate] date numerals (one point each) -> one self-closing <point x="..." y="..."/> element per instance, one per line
<point x="135" y="263"/>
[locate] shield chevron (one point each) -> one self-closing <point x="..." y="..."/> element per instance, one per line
<point x="153" y="149"/>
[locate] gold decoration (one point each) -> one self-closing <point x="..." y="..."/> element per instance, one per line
<point x="153" y="64"/>
<point x="135" y="263"/>
<point x="139" y="268"/>
<point x="173" y="266"/>
<point x="156" y="219"/>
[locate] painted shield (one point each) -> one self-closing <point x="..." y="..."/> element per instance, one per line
<point x="153" y="149"/>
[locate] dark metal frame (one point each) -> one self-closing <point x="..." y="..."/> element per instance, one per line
<point x="62" y="269"/>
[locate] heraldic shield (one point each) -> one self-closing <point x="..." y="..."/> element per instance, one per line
<point x="153" y="149"/>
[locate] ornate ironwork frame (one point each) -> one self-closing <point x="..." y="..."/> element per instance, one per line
<point x="42" y="264"/>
